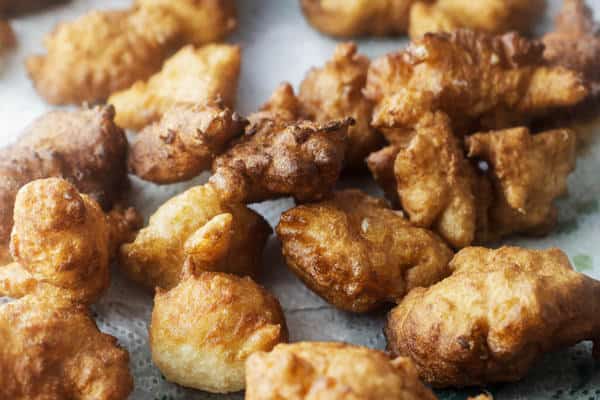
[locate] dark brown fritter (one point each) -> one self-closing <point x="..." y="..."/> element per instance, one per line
<point x="495" y="316"/>
<point x="357" y="253"/>
<point x="280" y="156"/>
<point x="184" y="142"/>
<point x="335" y="91"/>
<point x="84" y="147"/>
<point x="480" y="80"/>
<point x="7" y="36"/>
<point x="17" y="7"/>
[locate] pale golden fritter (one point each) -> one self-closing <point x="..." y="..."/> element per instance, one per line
<point x="498" y="313"/>
<point x="481" y="81"/>
<point x="184" y="142"/>
<point x="84" y="147"/>
<point x="52" y="350"/>
<point x="100" y="53"/>
<point x="493" y="16"/>
<point x="575" y="41"/>
<point x="204" y="329"/>
<point x="528" y="173"/>
<point x="351" y="18"/>
<point x="193" y="75"/>
<point x="7" y="36"/>
<point x="178" y="233"/>
<point x="335" y="91"/>
<point x="280" y="156"/>
<point x="357" y="253"/>
<point x="200" y="21"/>
<point x="434" y="182"/>
<point x="331" y="371"/>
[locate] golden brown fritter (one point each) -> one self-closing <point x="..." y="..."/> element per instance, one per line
<point x="493" y="16"/>
<point x="200" y="21"/>
<point x="84" y="147"/>
<point x="331" y="371"/>
<point x="494" y="316"/>
<point x="381" y="164"/>
<point x="434" y="182"/>
<point x="199" y="228"/>
<point x="193" y="75"/>
<point x="357" y="253"/>
<point x="575" y="42"/>
<point x="184" y="142"/>
<point x="52" y="349"/>
<point x="528" y="173"/>
<point x="60" y="238"/>
<point x="204" y="329"/>
<point x="7" y="36"/>
<point x="351" y="18"/>
<point x="100" y="53"/>
<point x="280" y="156"/>
<point x="481" y="81"/>
<point x="335" y="91"/>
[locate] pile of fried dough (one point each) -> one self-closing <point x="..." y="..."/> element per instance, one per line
<point x="471" y="132"/>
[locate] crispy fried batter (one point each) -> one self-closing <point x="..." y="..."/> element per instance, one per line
<point x="204" y="329"/>
<point x="196" y="76"/>
<point x="436" y="184"/>
<point x="7" y="36"/>
<point x="493" y="16"/>
<point x="179" y="231"/>
<point x="335" y="91"/>
<point x="52" y="349"/>
<point x="575" y="42"/>
<point x="61" y="239"/>
<point x="481" y="81"/>
<point x="347" y="18"/>
<point x="100" y="53"/>
<point x="331" y="371"/>
<point x="528" y="173"/>
<point x="280" y="156"/>
<point x="381" y="164"/>
<point x="201" y="21"/>
<point x="184" y="142"/>
<point x="357" y="253"/>
<point x="495" y="316"/>
<point x="84" y="146"/>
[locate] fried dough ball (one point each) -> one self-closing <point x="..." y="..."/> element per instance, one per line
<point x="200" y="21"/>
<point x="184" y="142"/>
<point x="494" y="316"/>
<point x="331" y="371"/>
<point x="100" y="53"/>
<point x="7" y="36"/>
<point x="335" y="91"/>
<point x="196" y="227"/>
<point x="357" y="253"/>
<point x="204" y="329"/>
<point x="481" y="81"/>
<point x="493" y="16"/>
<point x="62" y="241"/>
<point x="351" y="18"/>
<point x="575" y="42"/>
<point x="84" y="147"/>
<point x="280" y="155"/>
<point x="52" y="349"/>
<point x="528" y="173"/>
<point x="434" y="182"/>
<point x="192" y="75"/>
